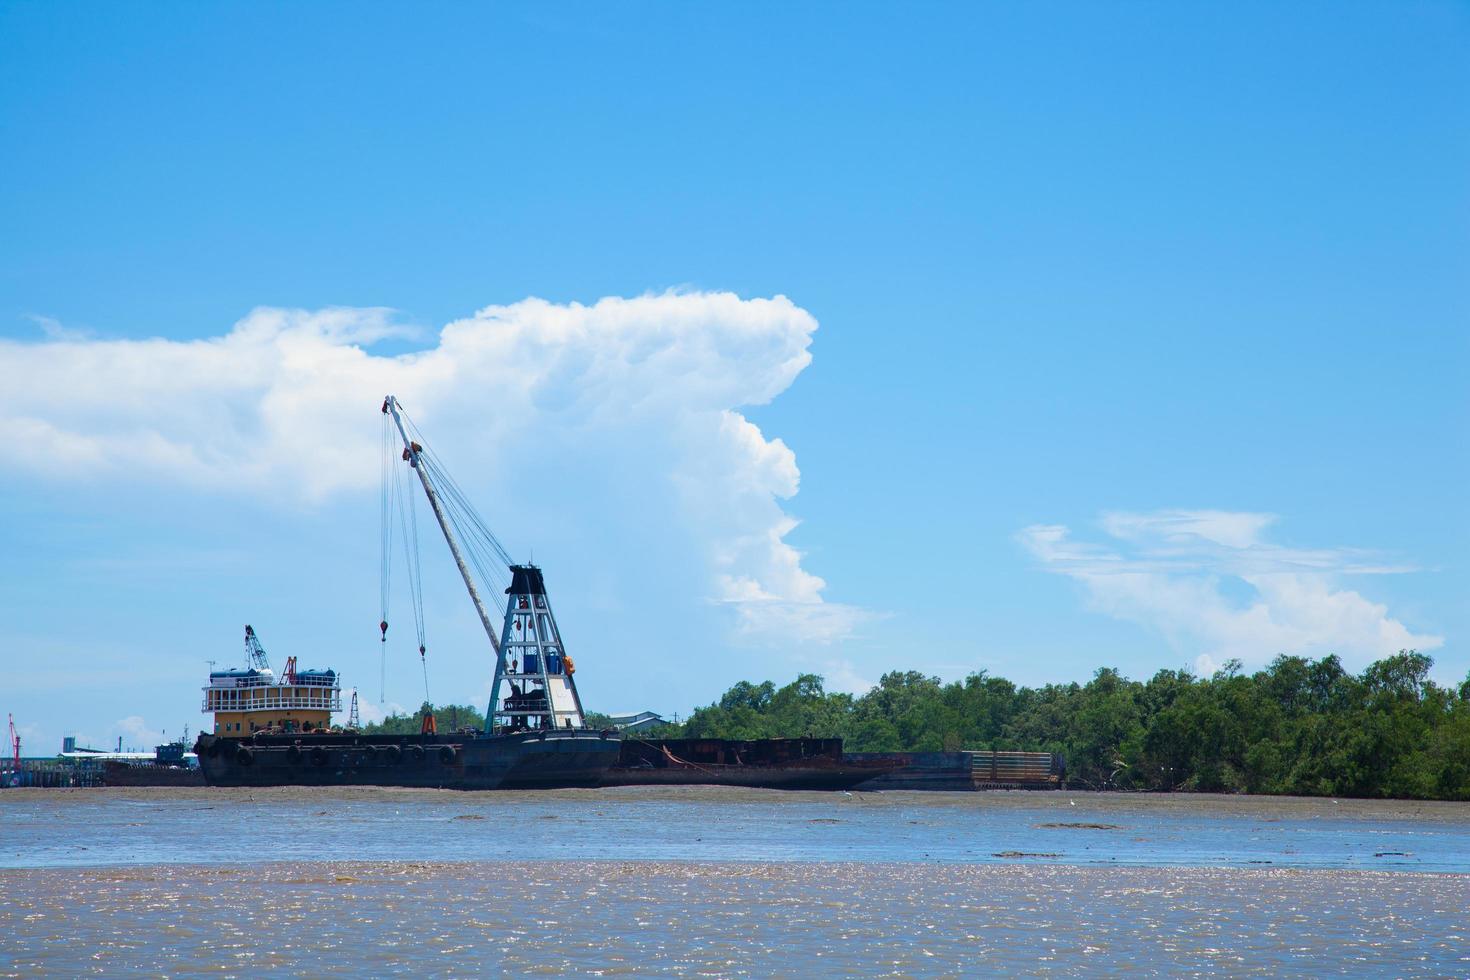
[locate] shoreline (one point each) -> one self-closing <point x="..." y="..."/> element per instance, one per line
<point x="979" y="799"/>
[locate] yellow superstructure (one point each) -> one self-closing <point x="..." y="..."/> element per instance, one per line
<point x="248" y="701"/>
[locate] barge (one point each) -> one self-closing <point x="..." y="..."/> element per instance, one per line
<point x="172" y="765"/>
<point x="541" y="759"/>
<point x="768" y="763"/>
<point x="974" y="770"/>
<point x="150" y="774"/>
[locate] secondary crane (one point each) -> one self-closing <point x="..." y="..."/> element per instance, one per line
<point x="255" y="657"/>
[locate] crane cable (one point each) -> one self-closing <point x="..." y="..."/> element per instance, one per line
<point x="397" y="505"/>
<point x="482" y="548"/>
<point x="409" y="523"/>
<point x="388" y="497"/>
<point x="486" y="554"/>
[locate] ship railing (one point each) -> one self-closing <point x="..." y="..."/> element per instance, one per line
<point x="270" y="704"/>
<point x="251" y="683"/>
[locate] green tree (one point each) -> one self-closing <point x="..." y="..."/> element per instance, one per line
<point x="449" y="717"/>
<point x="1298" y="726"/>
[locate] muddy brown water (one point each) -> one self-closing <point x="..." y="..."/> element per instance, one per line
<point x="719" y="882"/>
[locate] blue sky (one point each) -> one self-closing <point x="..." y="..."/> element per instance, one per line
<point x="1137" y="336"/>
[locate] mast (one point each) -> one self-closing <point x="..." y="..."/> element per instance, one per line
<point x="542" y="692"/>
<point x="411" y="452"/>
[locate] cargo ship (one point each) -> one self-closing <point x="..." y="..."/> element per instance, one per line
<point x="272" y="730"/>
<point x="767" y="763"/>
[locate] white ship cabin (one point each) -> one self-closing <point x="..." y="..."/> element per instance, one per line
<point x="248" y="701"/>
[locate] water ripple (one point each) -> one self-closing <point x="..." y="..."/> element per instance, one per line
<point x="610" y="918"/>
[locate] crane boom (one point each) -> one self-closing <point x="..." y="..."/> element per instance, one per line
<point x="411" y="452"/>
<point x="255" y="653"/>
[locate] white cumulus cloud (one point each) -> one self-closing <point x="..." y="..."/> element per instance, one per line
<point x="1216" y="587"/>
<point x="601" y="412"/>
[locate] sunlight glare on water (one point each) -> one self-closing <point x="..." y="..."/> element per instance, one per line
<point x="708" y="882"/>
<point x="703" y="919"/>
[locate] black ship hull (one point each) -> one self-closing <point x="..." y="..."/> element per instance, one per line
<point x="793" y="776"/>
<point x="771" y="763"/>
<point x="122" y="774"/>
<point x="520" y="760"/>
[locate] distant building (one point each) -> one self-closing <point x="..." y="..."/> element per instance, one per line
<point x="638" y="721"/>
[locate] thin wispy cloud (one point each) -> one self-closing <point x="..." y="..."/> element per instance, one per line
<point x="54" y="329"/>
<point x="1215" y="585"/>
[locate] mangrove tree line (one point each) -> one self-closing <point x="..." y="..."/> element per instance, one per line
<point x="1300" y="726"/>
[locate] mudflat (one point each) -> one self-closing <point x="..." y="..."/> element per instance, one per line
<point x="679" y="918"/>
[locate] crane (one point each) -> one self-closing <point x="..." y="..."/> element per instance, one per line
<point x="255" y="657"/>
<point x="14" y="745"/>
<point x="531" y="664"/>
